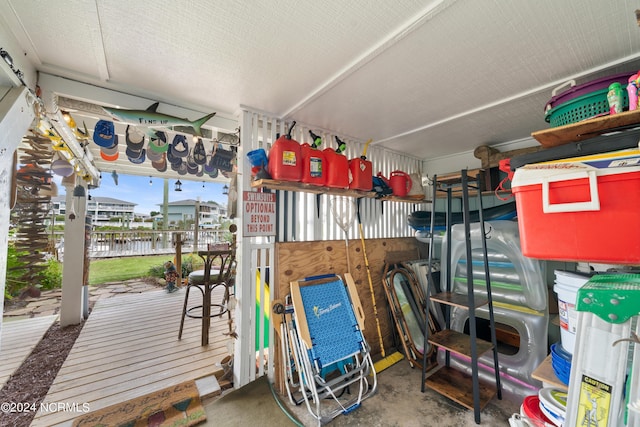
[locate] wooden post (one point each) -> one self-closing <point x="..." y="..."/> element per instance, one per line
<point x="490" y="157"/>
<point x="196" y="226"/>
<point x="71" y="311"/>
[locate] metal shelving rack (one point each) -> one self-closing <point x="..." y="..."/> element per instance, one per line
<point x="459" y="386"/>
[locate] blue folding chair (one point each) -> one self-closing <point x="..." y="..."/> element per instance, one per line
<point x="329" y="361"/>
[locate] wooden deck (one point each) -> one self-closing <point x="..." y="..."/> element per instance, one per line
<point x="129" y="347"/>
<point x="19" y="337"/>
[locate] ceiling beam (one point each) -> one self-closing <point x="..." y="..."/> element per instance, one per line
<point x="547" y="87"/>
<point x="99" y="52"/>
<point x="391" y="40"/>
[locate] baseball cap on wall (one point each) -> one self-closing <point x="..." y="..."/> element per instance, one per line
<point x="134" y="138"/>
<point x="160" y="165"/>
<point x="104" y="133"/>
<point x="180" y="146"/>
<point x="158" y="142"/>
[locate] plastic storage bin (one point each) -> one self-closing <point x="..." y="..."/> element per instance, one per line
<point x="582" y="108"/>
<point x="572" y="91"/>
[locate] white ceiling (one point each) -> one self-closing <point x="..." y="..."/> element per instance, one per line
<point x="428" y="78"/>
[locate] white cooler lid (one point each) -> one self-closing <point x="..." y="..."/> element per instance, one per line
<point x="616" y="162"/>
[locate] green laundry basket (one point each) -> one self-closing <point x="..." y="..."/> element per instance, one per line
<point x="582" y="108"/>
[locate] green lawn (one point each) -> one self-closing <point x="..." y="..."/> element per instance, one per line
<point x="116" y="269"/>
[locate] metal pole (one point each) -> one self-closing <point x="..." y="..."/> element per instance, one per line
<point x="472" y="305"/>
<point x="196" y="225"/>
<point x="165" y="213"/>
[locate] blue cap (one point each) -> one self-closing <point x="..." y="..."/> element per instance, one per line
<point x="104" y="133"/>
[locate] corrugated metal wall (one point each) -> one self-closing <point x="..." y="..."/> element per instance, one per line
<point x="301" y="217"/>
<point x="305" y="216"/>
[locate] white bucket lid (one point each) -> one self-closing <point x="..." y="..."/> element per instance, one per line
<point x="571" y="279"/>
<point x="553" y="403"/>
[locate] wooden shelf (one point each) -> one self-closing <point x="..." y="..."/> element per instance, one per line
<point x="456" y="177"/>
<point x="458" y="342"/>
<point x="544" y="372"/>
<point x="273" y="184"/>
<point x="457" y="300"/>
<point x="586" y="129"/>
<point x="458" y="387"/>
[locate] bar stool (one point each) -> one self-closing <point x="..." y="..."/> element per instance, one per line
<point x="222" y="274"/>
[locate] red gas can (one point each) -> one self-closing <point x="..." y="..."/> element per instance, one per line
<point x="337" y="169"/>
<point x="313" y="165"/>
<point x="337" y="166"/>
<point x="361" y="171"/>
<point x="361" y="174"/>
<point x="285" y="158"/>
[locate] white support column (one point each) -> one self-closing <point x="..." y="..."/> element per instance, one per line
<point x="71" y="305"/>
<point x="16" y="116"/>
<point x="244" y="351"/>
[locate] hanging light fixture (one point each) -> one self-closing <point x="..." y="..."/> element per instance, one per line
<point x="150" y="182"/>
<point x="178" y="186"/>
<point x="203" y="185"/>
<point x="79" y="191"/>
<point x="225" y="190"/>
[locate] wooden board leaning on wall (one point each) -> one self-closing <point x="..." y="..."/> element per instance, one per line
<point x="297" y="260"/>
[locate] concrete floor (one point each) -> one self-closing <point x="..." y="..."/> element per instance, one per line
<point x="398" y="402"/>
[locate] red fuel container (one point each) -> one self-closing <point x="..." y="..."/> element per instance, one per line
<point x="337" y="169"/>
<point x="313" y="165"/>
<point x="361" y="174"/>
<point x="285" y="158"/>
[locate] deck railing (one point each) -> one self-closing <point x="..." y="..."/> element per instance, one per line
<point x="120" y="243"/>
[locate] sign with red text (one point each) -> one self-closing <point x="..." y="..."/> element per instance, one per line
<point x="259" y="214"/>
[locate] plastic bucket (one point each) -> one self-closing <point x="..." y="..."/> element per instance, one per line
<point x="257" y="157"/>
<point x="566" y="287"/>
<point x="530" y="408"/>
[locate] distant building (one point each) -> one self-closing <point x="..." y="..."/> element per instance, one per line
<point x="211" y="213"/>
<point x="101" y="209"/>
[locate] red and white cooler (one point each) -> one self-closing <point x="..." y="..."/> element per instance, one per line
<point x="581" y="209"/>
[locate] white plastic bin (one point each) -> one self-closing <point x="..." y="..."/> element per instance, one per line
<point x="566" y="286"/>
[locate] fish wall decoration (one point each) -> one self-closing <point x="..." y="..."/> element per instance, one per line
<point x="151" y="118"/>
